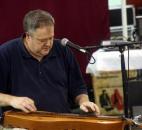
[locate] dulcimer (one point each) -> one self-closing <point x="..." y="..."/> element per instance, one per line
<point x="58" y="121"/>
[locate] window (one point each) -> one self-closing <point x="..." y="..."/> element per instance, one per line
<point x="113" y="3"/>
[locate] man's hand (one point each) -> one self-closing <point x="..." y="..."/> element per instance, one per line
<point x="85" y="105"/>
<point x="90" y="107"/>
<point x="23" y="103"/>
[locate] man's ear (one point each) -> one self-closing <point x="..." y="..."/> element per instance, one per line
<point x="27" y="34"/>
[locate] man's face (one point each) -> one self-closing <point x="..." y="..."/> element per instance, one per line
<point x="40" y="41"/>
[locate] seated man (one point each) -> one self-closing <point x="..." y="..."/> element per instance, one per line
<point x="38" y="73"/>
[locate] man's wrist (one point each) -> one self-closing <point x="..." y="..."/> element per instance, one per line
<point x="80" y="99"/>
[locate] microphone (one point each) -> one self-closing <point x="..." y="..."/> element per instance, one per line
<point x="66" y="42"/>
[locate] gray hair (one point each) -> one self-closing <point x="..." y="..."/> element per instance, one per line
<point x="37" y="18"/>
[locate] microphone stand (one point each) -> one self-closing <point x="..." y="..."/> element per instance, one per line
<point x="124" y="73"/>
<point x="124" y="81"/>
<point x="125" y="85"/>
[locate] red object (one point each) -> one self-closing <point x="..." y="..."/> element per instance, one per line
<point x="116" y="100"/>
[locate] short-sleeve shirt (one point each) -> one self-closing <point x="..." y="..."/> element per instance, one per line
<point x="52" y="83"/>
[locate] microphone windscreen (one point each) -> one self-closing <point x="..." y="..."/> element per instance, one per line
<point x="64" y="41"/>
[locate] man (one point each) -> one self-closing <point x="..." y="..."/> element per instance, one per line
<point x="38" y="73"/>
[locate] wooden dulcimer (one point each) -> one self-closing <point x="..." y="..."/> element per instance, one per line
<point x="54" y="121"/>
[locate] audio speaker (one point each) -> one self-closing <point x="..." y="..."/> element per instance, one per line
<point x="135" y="93"/>
<point x="135" y="99"/>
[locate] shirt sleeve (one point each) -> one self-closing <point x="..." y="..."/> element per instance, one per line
<point x="76" y="83"/>
<point x="4" y="72"/>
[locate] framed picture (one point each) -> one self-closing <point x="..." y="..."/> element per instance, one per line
<point x="108" y="91"/>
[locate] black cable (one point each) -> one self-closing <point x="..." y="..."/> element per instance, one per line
<point x="89" y="57"/>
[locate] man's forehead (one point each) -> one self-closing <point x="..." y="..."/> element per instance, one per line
<point x="43" y="33"/>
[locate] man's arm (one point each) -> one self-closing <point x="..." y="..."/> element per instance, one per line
<point x="83" y="101"/>
<point x="23" y="103"/>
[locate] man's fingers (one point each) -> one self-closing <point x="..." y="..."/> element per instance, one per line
<point x="24" y="109"/>
<point x="83" y="108"/>
<point x="29" y="105"/>
<point x="23" y="103"/>
<point x="90" y="107"/>
<point x="97" y="110"/>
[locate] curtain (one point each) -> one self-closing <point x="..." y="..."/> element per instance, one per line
<point x="84" y="22"/>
